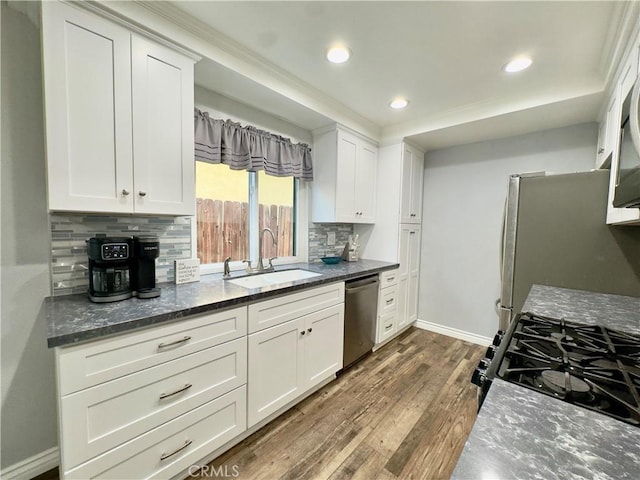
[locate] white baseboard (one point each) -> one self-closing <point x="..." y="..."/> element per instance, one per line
<point x="454" y="332"/>
<point x="33" y="466"/>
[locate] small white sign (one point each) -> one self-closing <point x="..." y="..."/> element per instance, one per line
<point x="187" y="270"/>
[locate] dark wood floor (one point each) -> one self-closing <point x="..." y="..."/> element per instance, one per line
<point x="404" y="412"/>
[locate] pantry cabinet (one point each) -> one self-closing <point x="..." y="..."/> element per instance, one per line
<point x="344" y="184"/>
<point x="411" y="188"/>
<point x="118" y="117"/>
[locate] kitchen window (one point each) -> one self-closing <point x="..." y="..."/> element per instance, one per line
<point x="234" y="206"/>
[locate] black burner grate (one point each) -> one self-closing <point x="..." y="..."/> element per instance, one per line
<point x="587" y="365"/>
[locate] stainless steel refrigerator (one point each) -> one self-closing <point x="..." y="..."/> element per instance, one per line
<point x="555" y="234"/>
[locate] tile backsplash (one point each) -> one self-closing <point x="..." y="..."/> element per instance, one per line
<point x="69" y="263"/>
<point x="318" y="239"/>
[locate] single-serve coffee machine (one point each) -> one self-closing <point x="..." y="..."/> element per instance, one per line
<point x="109" y="268"/>
<point x="121" y="267"/>
<point x="145" y="252"/>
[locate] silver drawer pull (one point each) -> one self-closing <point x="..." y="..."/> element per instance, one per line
<point x="390" y="301"/>
<point x="174" y="343"/>
<point x="388" y="327"/>
<point x="390" y="279"/>
<point x="164" y="456"/>
<point x="180" y="390"/>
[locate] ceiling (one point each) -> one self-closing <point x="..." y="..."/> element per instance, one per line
<point x="445" y="57"/>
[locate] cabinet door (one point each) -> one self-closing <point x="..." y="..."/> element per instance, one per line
<point x="346" y="177"/>
<point x="411" y="188"/>
<point x="323" y="344"/>
<point x="408" y="274"/>
<point x="275" y="374"/>
<point x="365" y="183"/>
<point x="414" y="274"/>
<point x="405" y="188"/>
<point x="402" y="310"/>
<point x="87" y="86"/>
<point x="164" y="165"/>
<point x="417" y="167"/>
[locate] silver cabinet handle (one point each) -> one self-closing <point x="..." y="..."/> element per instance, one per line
<point x="164" y="456"/>
<point x="388" y="327"/>
<point x="302" y="332"/>
<point x="310" y="330"/>
<point x="390" y="301"/>
<point x="390" y="279"/>
<point x="180" y="390"/>
<point x="125" y="192"/>
<point x="174" y="343"/>
<point x="142" y="194"/>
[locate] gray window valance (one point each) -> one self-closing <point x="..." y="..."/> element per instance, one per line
<point x="248" y="148"/>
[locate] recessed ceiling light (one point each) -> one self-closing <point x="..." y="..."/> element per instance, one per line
<point x="338" y="54"/>
<point x="517" y="64"/>
<point x="399" y="103"/>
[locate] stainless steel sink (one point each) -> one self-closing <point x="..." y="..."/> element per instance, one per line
<point x="272" y="278"/>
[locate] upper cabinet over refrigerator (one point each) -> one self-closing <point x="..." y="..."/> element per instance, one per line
<point x="118" y="116"/>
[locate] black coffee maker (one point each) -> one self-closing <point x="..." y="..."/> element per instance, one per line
<point x="109" y="268"/>
<point x="143" y="268"/>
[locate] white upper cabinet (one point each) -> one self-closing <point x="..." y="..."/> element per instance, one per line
<point x="608" y="133"/>
<point x="118" y="115"/>
<point x="163" y="158"/>
<point x="411" y="189"/>
<point x="625" y="81"/>
<point x="344" y="183"/>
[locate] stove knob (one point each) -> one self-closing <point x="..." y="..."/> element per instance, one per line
<point x="491" y="351"/>
<point x="484" y="363"/>
<point x="479" y="376"/>
<point x="498" y="338"/>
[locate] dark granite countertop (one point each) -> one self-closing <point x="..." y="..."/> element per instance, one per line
<point x="523" y="434"/>
<point x="520" y="434"/>
<point x="73" y="318"/>
<point x="613" y="311"/>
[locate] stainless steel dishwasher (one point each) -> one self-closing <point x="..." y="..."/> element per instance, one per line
<point x="360" y="313"/>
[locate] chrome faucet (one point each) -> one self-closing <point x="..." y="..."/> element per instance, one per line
<point x="261" y="267"/>
<point x="227" y="270"/>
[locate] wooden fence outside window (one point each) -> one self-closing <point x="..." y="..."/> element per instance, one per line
<point x="222" y="230"/>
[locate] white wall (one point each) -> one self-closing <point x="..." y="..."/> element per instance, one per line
<point x="464" y="194"/>
<point x="28" y="388"/>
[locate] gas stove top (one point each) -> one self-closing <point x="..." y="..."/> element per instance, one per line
<point x="587" y="365"/>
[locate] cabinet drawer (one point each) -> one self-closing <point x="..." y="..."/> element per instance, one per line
<point x="282" y="309"/>
<point x="93" y="363"/>
<point x="389" y="278"/>
<point x="107" y="415"/>
<point x="386" y="326"/>
<point x="388" y="300"/>
<point x="200" y="431"/>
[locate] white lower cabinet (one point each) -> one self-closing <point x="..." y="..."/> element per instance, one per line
<point x="154" y="402"/>
<point x="129" y="400"/>
<point x="174" y="446"/>
<point x="388" y="306"/>
<point x="287" y="360"/>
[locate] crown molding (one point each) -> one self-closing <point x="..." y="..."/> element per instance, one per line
<point x="243" y="61"/>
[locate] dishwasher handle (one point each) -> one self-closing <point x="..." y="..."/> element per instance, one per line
<point x="361" y="284"/>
